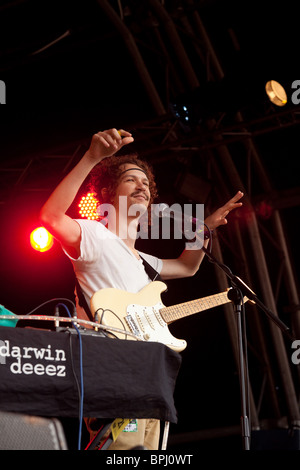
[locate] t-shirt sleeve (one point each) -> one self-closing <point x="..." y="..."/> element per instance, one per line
<point x="91" y="243"/>
<point x="155" y="262"/>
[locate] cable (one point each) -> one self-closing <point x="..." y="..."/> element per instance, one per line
<point x="52" y="300"/>
<point x="117" y="316"/>
<point x="81" y="394"/>
<point x="73" y="365"/>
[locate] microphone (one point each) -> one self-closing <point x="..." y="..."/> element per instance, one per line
<point x="163" y="210"/>
<point x="194" y="225"/>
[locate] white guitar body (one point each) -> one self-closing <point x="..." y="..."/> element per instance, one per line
<point x="144" y="315"/>
<point x="137" y="313"/>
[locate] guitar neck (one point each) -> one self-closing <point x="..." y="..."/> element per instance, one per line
<point x="185" y="309"/>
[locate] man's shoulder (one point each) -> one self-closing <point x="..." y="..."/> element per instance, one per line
<point x="95" y="229"/>
<point x="91" y="224"/>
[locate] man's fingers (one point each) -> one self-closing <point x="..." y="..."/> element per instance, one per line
<point x="116" y="138"/>
<point x="110" y="138"/>
<point x="127" y="140"/>
<point x="233" y="202"/>
<point x="124" y="133"/>
<point x="126" y="136"/>
<point x="237" y="196"/>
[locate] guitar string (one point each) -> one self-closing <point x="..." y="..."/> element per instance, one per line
<point x="188" y="308"/>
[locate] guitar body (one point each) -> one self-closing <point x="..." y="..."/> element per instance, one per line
<point x="136" y="313"/>
<point x="144" y="315"/>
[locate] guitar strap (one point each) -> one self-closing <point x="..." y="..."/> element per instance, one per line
<point x="82" y="301"/>
<point x="152" y="273"/>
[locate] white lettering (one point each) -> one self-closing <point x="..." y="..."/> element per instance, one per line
<point x="183" y="225"/>
<point x="15" y="351"/>
<point x="51" y="370"/>
<point x="2" y="92"/>
<point x="38" y="369"/>
<point x="60" y="355"/>
<point x="296" y="354"/>
<point x="2" y="358"/>
<point x="61" y="371"/>
<point x="48" y="356"/>
<point x="117" y="460"/>
<point x="27" y="368"/>
<point x="15" y="367"/>
<point x="28" y="352"/>
<point x="295" y="96"/>
<point x="21" y="366"/>
<point x="4" y="350"/>
<point x="26" y="355"/>
<point x="171" y="459"/>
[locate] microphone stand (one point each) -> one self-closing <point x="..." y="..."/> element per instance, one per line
<point x="236" y="294"/>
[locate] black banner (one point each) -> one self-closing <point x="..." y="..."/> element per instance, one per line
<point x="40" y="374"/>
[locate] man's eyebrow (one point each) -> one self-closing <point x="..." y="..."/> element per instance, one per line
<point x="134" y="176"/>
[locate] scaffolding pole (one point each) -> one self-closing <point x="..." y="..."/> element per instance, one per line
<point x="136" y="56"/>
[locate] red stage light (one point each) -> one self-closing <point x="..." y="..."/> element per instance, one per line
<point x="88" y="207"/>
<point x="264" y="210"/>
<point x="41" y="239"/>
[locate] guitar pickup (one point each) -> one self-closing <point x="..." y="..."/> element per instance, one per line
<point x="132" y="325"/>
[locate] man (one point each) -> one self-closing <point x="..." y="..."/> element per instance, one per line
<point x="102" y="255"/>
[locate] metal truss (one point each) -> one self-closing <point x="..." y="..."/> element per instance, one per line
<point x="163" y="138"/>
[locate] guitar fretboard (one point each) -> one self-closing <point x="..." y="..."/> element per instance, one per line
<point x="185" y="309"/>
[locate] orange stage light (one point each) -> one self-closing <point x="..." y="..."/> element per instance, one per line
<point x="88" y="207"/>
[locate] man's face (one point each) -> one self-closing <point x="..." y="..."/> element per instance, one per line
<point x="134" y="186"/>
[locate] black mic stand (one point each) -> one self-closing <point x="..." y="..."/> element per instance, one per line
<point x="236" y="294"/>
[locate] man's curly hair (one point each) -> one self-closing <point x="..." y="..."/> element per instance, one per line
<point x="107" y="175"/>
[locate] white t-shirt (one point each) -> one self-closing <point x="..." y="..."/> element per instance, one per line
<point x="106" y="261"/>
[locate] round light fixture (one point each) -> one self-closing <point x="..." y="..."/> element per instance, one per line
<point x="41" y="240"/>
<point x="276" y="93"/>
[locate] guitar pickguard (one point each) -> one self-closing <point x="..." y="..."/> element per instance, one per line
<point x="147" y="323"/>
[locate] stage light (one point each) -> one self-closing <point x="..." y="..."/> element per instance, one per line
<point x="41" y="240"/>
<point x="264" y="210"/>
<point x="276" y="93"/>
<point x="88" y="207"/>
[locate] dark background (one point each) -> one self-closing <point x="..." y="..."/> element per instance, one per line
<point x="72" y="69"/>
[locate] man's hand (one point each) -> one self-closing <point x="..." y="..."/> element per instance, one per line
<point x="107" y="143"/>
<point x="218" y="217"/>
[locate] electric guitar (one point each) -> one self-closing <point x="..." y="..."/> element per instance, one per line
<point x="144" y="314"/>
